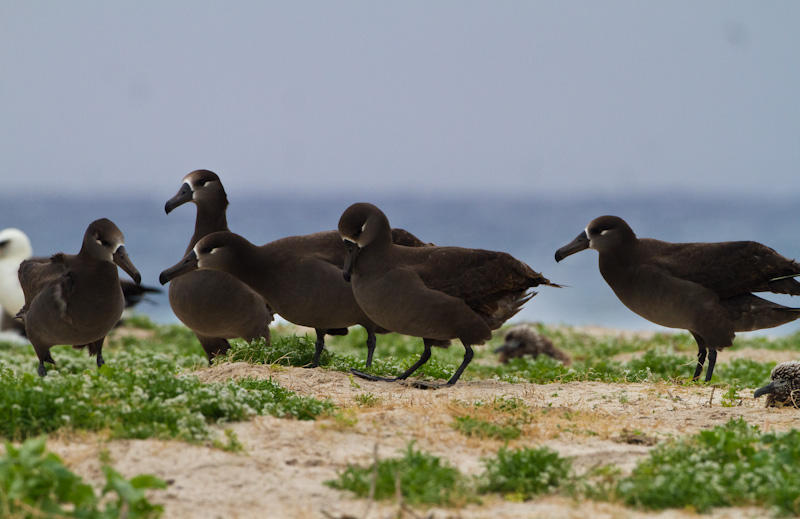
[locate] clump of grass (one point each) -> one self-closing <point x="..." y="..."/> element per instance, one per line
<point x="36" y="484"/>
<point x="287" y="350"/>
<point x="745" y="372"/>
<point x="422" y="479"/>
<point x="299" y="351"/>
<point x="659" y="364"/>
<point x="367" y="400"/>
<point x="525" y="473"/>
<point x="231" y="442"/>
<point x="140" y="403"/>
<point x="476" y="427"/>
<point x="730" y="465"/>
<point x="731" y="398"/>
<point x="500" y="419"/>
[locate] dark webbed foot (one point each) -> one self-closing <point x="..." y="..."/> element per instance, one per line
<point x="374" y="378"/>
<point x="100" y="361"/>
<point x="42" y="370"/>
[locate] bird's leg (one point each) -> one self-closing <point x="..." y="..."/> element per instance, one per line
<point x="213" y="346"/>
<point x="468" y="354"/>
<point x="701" y="359"/>
<point x="46" y="357"/>
<point x="701" y="356"/>
<point x="426" y="354"/>
<point x="371" y="341"/>
<point x="97" y="348"/>
<point x="712" y="360"/>
<point x="319" y="345"/>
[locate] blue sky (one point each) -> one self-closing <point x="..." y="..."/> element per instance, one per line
<point x="538" y="97"/>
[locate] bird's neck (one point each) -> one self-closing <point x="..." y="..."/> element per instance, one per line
<point x="209" y="220"/>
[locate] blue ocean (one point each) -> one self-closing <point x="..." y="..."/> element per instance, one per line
<point x="529" y="228"/>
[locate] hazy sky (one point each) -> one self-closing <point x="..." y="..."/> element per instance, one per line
<point x="413" y="96"/>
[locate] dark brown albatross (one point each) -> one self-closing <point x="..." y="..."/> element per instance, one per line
<point x="214" y="305"/>
<point x="76" y="299"/>
<point x="705" y="288"/>
<point x="436" y="293"/>
<point x="300" y="277"/>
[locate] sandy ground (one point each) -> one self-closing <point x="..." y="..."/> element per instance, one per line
<point x="281" y="472"/>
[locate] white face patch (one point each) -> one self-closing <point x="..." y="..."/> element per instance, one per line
<point x="588" y="237"/>
<point x="197" y="251"/>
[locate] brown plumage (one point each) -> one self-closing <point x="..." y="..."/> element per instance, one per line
<point x="522" y="340"/>
<point x="701" y="287"/>
<point x="436" y="293"/>
<point x="15" y="247"/>
<point x="300" y="277"/>
<point x="785" y="386"/>
<point x="76" y="299"/>
<point x="214" y="305"/>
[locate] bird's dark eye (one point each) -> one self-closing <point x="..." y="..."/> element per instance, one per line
<point x="201" y="182"/>
<point x="105" y="243"/>
<point x="206" y="250"/>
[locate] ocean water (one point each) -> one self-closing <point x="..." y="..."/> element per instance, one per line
<point x="529" y="228"/>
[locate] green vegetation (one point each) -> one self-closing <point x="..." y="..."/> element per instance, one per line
<point x="148" y="390"/>
<point x="142" y="402"/>
<point x="35" y="484"/>
<point x="476" y="427"/>
<point x="500" y="419"/>
<point x="142" y="392"/>
<point x="730" y="465"/>
<point x="525" y="473"/>
<point x="420" y="477"/>
<point x="426" y="479"/>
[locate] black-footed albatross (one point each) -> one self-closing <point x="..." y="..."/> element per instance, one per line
<point x="785" y="386"/>
<point x="300" y="277"/>
<point x="705" y="288"/>
<point x="436" y="293"/>
<point x="76" y="299"/>
<point x="214" y="305"/>
<point x="15" y="247"/>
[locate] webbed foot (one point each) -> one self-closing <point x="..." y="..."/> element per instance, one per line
<point x="374" y="378"/>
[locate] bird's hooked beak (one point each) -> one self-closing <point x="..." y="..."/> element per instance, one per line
<point x="122" y="260"/>
<point x="352" y="253"/>
<point x="185" y="194"/>
<point x="772" y="387"/>
<point x="578" y="244"/>
<point x="187" y="264"/>
<point x="508" y="346"/>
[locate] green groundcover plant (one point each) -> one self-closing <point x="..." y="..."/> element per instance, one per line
<point x="35" y="484"/>
<point x="731" y="465"/>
